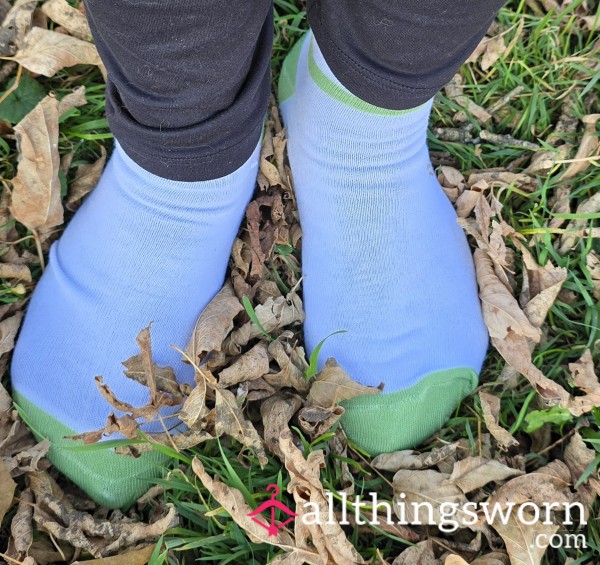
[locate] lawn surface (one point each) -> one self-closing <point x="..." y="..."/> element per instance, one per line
<point x="515" y="140"/>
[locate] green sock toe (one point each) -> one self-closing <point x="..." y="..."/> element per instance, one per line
<point x="111" y="480"/>
<point x="401" y="420"/>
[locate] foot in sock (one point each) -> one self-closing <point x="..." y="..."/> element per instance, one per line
<point x="140" y="249"/>
<point x="382" y="255"/>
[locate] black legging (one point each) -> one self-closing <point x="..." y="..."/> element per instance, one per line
<point x="188" y="80"/>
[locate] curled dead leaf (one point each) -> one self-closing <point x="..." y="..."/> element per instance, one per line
<point x="86" y="178"/>
<point x="8" y="332"/>
<point x="501" y="310"/>
<point x="230" y="420"/>
<point x="410" y="459"/>
<point x="46" y="52"/>
<point x="234" y="504"/>
<point x="68" y="17"/>
<point x="472" y="473"/>
<point x="585" y="378"/>
<point x="7" y="489"/>
<point x="490" y="406"/>
<point x="214" y="323"/>
<point x="15" y="26"/>
<point x="36" y="199"/>
<point x="332" y="384"/>
<point x="253" y="364"/>
<point x="327" y="537"/>
<point x="276" y="412"/>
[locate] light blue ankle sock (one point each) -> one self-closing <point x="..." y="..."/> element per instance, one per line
<point x="140" y="249"/>
<point x="382" y="255"/>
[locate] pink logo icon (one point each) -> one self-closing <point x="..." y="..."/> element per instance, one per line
<point x="272" y="528"/>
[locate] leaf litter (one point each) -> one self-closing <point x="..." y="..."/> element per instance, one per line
<point x="251" y="382"/>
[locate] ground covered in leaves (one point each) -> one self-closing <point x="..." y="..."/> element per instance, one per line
<point x="514" y="137"/>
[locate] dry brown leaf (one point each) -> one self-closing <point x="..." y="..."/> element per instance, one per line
<point x="590" y="205"/>
<point x="490" y="406"/>
<point x="291" y="362"/>
<point x="230" y="420"/>
<point x="214" y="323"/>
<point x="316" y="421"/>
<point x="251" y="391"/>
<point x="36" y="200"/>
<point x="411" y="488"/>
<point x="502" y="178"/>
<point x="144" y="370"/>
<point x="29" y="459"/>
<point x="587" y="147"/>
<point x="100" y="537"/>
<point x="106" y="392"/>
<point x="7" y="490"/>
<point x="516" y="352"/>
<point x="55" y="514"/>
<point x="494" y="49"/>
<point x="135" y="557"/>
<point x="473" y="473"/>
<point x="36" y="188"/>
<point x="592" y="262"/>
<point x="72" y="100"/>
<point x="46" y="52"/>
<point x="273" y="315"/>
<point x="21" y="525"/>
<point x="501" y="310"/>
<point x="520" y="540"/>
<point x="591" y="23"/>
<point x="578" y="456"/>
<point x="333" y="384"/>
<point x="69" y="18"/>
<point x="15" y="26"/>
<point x="409" y="459"/>
<point x="326" y="536"/>
<point x="8" y="332"/>
<point x="234" y="504"/>
<point x="455" y="560"/>
<point x="466" y="202"/>
<point x="418" y="554"/>
<point x="494" y="558"/>
<point x="585" y="378"/>
<point x="548" y="484"/>
<point x="15" y="271"/>
<point x="86" y="178"/>
<point x="194" y="408"/>
<point x="276" y="412"/>
<point x="510" y="329"/>
<point x="253" y="364"/>
<point x="490" y="49"/>
<point x="454" y="91"/>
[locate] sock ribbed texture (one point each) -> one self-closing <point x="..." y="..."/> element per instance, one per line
<point x="140" y="249"/>
<point x="382" y="255"/>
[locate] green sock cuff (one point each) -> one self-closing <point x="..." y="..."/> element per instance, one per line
<point x="289" y="69"/>
<point x="287" y="82"/>
<point x="341" y="94"/>
<point x="110" y="479"/>
<point x="399" y="420"/>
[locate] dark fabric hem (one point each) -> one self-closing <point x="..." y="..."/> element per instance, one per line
<point x="191" y="164"/>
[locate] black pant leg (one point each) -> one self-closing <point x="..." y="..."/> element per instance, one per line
<point x="188" y="81"/>
<point x="397" y="54"/>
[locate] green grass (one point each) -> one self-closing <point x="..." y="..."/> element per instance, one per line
<point x="550" y="59"/>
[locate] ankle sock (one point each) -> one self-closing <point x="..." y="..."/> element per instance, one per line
<point x="382" y="256"/>
<point x="140" y="249"/>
